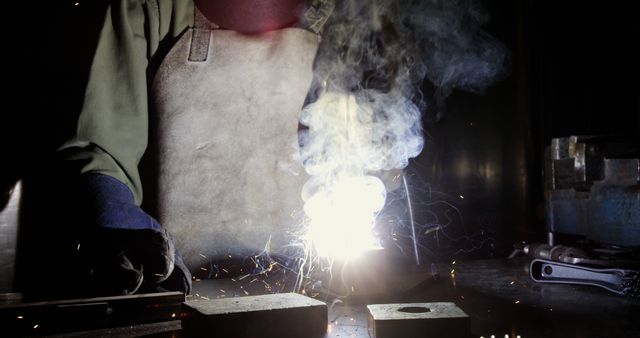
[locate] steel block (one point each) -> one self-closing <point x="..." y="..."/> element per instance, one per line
<point x="269" y="316"/>
<point x="413" y="320"/>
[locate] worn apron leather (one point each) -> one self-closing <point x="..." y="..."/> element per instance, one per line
<point x="226" y="111"/>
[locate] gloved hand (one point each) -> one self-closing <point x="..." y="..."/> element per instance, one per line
<point x="129" y="251"/>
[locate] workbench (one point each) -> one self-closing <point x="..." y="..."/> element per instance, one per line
<point x="497" y="294"/>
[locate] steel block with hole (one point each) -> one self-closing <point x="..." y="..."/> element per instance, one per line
<point x="413" y="320"/>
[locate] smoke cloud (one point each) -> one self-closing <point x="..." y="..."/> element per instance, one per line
<point x="364" y="109"/>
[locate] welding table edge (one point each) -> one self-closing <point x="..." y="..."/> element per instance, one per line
<point x="94" y="313"/>
<point x="169" y="296"/>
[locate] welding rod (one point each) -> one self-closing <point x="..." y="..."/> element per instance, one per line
<point x="413" y="225"/>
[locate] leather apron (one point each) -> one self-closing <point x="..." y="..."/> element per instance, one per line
<point x="227" y="107"/>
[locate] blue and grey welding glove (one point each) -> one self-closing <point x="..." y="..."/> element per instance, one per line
<point x="129" y="251"/>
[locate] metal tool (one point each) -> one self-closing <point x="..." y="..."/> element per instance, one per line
<point x="620" y="281"/>
<point x="613" y="258"/>
<point x="559" y="253"/>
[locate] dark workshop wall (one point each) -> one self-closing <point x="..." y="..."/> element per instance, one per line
<point x="472" y="183"/>
<point x="585" y="68"/>
<point x="574" y="71"/>
<point x="50" y="44"/>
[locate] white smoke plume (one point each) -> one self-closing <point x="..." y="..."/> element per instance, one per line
<point x="365" y="105"/>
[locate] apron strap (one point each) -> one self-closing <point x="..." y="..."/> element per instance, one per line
<point x="200" y="37"/>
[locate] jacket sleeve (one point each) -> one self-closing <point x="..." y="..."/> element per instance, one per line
<point x="112" y="128"/>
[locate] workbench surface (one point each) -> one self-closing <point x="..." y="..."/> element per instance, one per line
<point x="497" y="294"/>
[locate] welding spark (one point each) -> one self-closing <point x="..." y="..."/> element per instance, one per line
<point x="433" y="229"/>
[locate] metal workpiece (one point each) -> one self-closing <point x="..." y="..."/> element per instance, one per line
<point x="592" y="189"/>
<point x="413" y="320"/>
<point x="372" y="274"/>
<point x="269" y="316"/>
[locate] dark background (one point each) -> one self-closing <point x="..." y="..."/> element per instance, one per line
<point x="574" y="71"/>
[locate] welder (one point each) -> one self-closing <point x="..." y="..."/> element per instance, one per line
<point x="130" y="251"/>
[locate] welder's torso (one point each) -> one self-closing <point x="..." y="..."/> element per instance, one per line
<point x="229" y="175"/>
